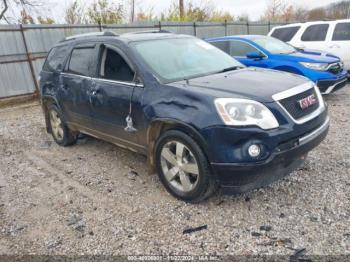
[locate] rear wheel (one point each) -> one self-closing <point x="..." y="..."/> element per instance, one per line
<point x="183" y="168"/>
<point x="59" y="130"/>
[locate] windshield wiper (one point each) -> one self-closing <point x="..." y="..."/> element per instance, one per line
<point x="232" y="68"/>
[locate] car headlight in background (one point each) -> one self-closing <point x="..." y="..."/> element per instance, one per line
<point x="245" y="112"/>
<point x="315" y="66"/>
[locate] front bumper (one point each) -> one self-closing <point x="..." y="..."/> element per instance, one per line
<point x="330" y="86"/>
<point x="236" y="178"/>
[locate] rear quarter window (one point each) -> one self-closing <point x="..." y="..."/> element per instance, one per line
<point x="56" y="58"/>
<point x="285" y="34"/>
<point x="341" y="32"/>
<point x="315" y="33"/>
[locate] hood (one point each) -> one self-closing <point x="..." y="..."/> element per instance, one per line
<point x="253" y="83"/>
<point x="310" y="56"/>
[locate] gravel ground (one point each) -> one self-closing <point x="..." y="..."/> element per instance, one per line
<point x="96" y="198"/>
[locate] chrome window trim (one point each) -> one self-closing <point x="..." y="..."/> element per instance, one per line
<point x="131" y="84"/>
<point x="296" y="90"/>
<point x="75" y="75"/>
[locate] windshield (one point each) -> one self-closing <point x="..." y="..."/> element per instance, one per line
<point x="275" y="46"/>
<point x="184" y="58"/>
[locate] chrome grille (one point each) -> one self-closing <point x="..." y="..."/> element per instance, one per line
<point x="291" y="104"/>
<point x="336" y="68"/>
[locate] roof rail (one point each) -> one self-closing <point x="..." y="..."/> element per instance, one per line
<point x="147" y="32"/>
<point x="106" y="33"/>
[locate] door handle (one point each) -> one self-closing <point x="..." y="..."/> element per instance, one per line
<point x="334" y="46"/>
<point x="95" y="96"/>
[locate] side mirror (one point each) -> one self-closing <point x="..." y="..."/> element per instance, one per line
<point x="255" y="55"/>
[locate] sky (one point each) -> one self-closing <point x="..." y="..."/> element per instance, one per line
<point x="253" y="8"/>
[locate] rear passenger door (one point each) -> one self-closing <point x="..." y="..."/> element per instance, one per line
<point x="314" y="37"/>
<point x="76" y="84"/>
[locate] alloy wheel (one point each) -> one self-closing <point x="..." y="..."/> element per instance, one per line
<point x="56" y="125"/>
<point x="179" y="166"/>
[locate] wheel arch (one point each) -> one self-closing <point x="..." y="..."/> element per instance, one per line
<point x="159" y="126"/>
<point x="46" y="101"/>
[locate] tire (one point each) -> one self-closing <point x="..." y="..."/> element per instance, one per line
<point x="59" y="130"/>
<point x="183" y="168"/>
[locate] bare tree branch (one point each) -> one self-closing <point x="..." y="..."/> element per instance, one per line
<point x="4" y="10"/>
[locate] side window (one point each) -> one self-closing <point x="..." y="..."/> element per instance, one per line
<point x="56" y="58"/>
<point x="341" y="32"/>
<point x="223" y="45"/>
<point x="285" y="34"/>
<point x="238" y="48"/>
<point x="315" y="33"/>
<point x="114" y="67"/>
<point x="81" y="61"/>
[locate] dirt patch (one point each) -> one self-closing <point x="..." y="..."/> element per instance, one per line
<point x="87" y="199"/>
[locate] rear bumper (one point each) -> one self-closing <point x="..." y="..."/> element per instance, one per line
<point x="238" y="178"/>
<point x="330" y="86"/>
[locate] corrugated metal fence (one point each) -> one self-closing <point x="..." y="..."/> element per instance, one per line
<point x="23" y="48"/>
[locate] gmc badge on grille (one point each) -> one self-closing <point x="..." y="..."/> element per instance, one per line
<point x="307" y="102"/>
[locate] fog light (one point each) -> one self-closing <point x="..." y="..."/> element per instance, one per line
<point x="254" y="150"/>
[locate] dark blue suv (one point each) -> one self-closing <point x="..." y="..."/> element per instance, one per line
<point x="201" y="117"/>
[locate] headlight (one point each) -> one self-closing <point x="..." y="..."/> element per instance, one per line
<point x="315" y="66"/>
<point x="244" y="112"/>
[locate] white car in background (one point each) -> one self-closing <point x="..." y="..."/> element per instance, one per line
<point x="330" y="36"/>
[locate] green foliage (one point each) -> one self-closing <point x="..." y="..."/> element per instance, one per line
<point x="146" y="15"/>
<point x="205" y="11"/>
<point x="75" y="13"/>
<point x="105" y="12"/>
<point x="45" y="20"/>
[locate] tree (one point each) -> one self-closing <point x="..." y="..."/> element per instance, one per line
<point x="274" y="10"/>
<point x="317" y="14"/>
<point x="146" y="15"/>
<point x="45" y="20"/>
<point x="25" y="18"/>
<point x="205" y="11"/>
<point x="22" y="10"/>
<point x="300" y="14"/>
<point x="4" y="9"/>
<point x="105" y="12"/>
<point x="132" y="12"/>
<point x="181" y="9"/>
<point x="220" y="16"/>
<point x="75" y="13"/>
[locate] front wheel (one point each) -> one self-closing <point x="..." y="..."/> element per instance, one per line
<point x="183" y="168"/>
